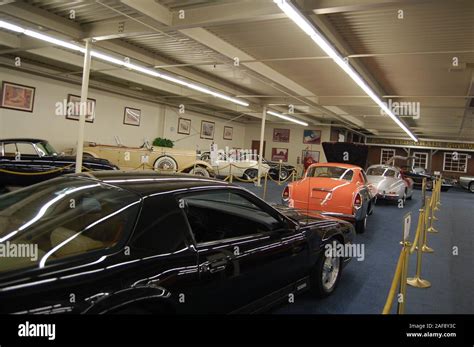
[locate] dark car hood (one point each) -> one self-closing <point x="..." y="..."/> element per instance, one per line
<point x="335" y="152"/>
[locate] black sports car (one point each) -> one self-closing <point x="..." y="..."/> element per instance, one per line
<point x="28" y="161"/>
<point x="418" y="174"/>
<point x="149" y="243"/>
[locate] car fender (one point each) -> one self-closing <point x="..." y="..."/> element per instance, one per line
<point x="201" y="163"/>
<point x="91" y="153"/>
<point x="104" y="302"/>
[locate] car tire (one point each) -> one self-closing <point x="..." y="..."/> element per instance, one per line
<point x="165" y="163"/>
<point x="199" y="171"/>
<point x="326" y="273"/>
<point x="283" y="174"/>
<point x="250" y="174"/>
<point x="471" y="187"/>
<point x="361" y="225"/>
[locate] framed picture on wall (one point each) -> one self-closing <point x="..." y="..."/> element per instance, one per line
<point x="74" y="108"/>
<point x="132" y="116"/>
<point x="280" y="154"/>
<point x="309" y="157"/>
<point x="312" y="137"/>
<point x="281" y="135"/>
<point x="207" y="130"/>
<point x="228" y="133"/>
<point x="184" y="126"/>
<point x="17" y="97"/>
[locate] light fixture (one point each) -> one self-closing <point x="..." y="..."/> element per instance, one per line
<point x="282" y="116"/>
<point x="310" y="30"/>
<point x="121" y="62"/>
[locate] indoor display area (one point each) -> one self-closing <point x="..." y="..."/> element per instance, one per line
<point x="309" y="158"/>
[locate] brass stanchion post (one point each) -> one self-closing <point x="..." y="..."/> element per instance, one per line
<point x="403" y="277"/>
<point x="425" y="248"/>
<point x="230" y="173"/>
<point x="417" y="281"/>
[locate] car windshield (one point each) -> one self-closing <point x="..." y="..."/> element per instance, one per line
<point x="45" y="148"/>
<point x="381" y="171"/>
<point x="61" y="218"/>
<point x="335" y="172"/>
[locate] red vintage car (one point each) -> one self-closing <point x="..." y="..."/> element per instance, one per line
<point x="334" y="189"/>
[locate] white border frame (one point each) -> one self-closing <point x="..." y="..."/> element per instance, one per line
<point x="426" y="156"/>
<point x="386" y="149"/>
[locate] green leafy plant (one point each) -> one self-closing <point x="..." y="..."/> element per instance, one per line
<point x="159" y="142"/>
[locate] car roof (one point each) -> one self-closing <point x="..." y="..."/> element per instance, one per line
<point x="23" y="139"/>
<point x="384" y="166"/>
<point x="342" y="165"/>
<point x="146" y="183"/>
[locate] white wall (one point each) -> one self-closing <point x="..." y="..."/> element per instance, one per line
<point x="295" y="146"/>
<point x="62" y="132"/>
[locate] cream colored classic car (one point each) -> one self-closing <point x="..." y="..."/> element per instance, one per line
<point x="150" y="157"/>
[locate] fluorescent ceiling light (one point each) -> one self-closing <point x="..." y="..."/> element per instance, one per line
<point x="282" y="116"/>
<point x="310" y="30"/>
<point x="121" y="62"/>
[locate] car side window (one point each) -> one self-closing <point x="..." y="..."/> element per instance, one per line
<point x="162" y="227"/>
<point x="222" y="214"/>
<point x="26" y="149"/>
<point x="9" y="149"/>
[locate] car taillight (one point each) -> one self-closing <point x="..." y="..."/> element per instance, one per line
<point x="358" y="201"/>
<point x="286" y="193"/>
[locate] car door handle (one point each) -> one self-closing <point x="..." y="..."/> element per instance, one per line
<point x="218" y="265"/>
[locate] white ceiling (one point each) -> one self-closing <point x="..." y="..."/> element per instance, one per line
<point x="407" y="59"/>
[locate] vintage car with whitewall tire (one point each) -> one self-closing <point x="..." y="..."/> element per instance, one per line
<point x="390" y="183"/>
<point x="151" y="157"/>
<point x="25" y="161"/>
<point x="141" y="242"/>
<point x="467" y="182"/>
<point x="244" y="166"/>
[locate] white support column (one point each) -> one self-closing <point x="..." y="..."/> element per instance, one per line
<point x="262" y="139"/>
<point x="83" y="108"/>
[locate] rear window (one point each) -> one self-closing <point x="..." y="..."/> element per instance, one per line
<point x="62" y="218"/>
<point x="331" y="172"/>
<point x="381" y="171"/>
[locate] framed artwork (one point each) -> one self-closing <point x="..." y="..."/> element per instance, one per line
<point x="184" y="126"/>
<point x="309" y="157"/>
<point x="17" y="97"/>
<point x="207" y="130"/>
<point x="312" y="137"/>
<point x="74" y="108"/>
<point x="281" y="135"/>
<point x="228" y="133"/>
<point x="280" y="154"/>
<point x="132" y="116"/>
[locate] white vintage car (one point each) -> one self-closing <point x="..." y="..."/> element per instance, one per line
<point x="389" y="182"/>
<point x="245" y="166"/>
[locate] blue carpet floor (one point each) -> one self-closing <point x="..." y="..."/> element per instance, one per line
<point x="364" y="285"/>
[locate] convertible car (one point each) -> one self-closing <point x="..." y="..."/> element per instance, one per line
<point x="245" y="166"/>
<point x="143" y="242"/>
<point x="275" y="170"/>
<point x="335" y="188"/>
<point x="154" y="157"/>
<point x="28" y="161"/>
<point x="390" y="183"/>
